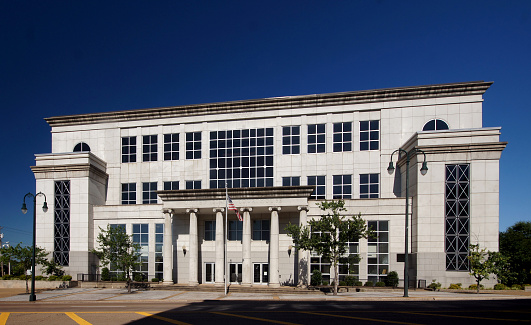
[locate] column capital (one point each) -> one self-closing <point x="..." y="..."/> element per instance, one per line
<point x="303" y="208"/>
<point x="275" y="209"/>
<point x="167" y="211"/>
<point x="215" y="210"/>
<point x="192" y="210"/>
<point x="246" y="209"/>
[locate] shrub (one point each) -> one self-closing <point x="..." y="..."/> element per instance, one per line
<point x="358" y="283"/>
<point x="53" y="278"/>
<point x="500" y="286"/>
<point x="66" y="278"/>
<point x="325" y="283"/>
<point x="343" y="283"/>
<point x="475" y="287"/>
<point x="7" y="277"/>
<point x="39" y="278"/>
<point x="24" y="277"/>
<point x="392" y="279"/>
<point x="155" y="280"/>
<point x="434" y="285"/>
<point x="317" y="278"/>
<point x="455" y="286"/>
<point x="516" y="287"/>
<point x="379" y="284"/>
<point x="350" y="280"/>
<point x="138" y="277"/>
<point x="120" y="277"/>
<point x="105" y="275"/>
<point x="368" y="284"/>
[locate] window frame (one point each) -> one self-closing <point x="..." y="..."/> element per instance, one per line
<point x="129" y="149"/>
<point x="317" y="138"/>
<point x="342" y="137"/>
<point x="370" y="135"/>
<point x="171" y="146"/>
<point x="193" y="145"/>
<point x="366" y="187"/>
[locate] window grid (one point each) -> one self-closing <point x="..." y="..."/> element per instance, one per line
<point x="159" y="244"/>
<point x="319" y="192"/>
<point x="171" y="185"/>
<point x="260" y="229"/>
<point x="149" y="193"/>
<point x="114" y="271"/>
<point x="193" y="185"/>
<point x="141" y="237"/>
<point x="235" y="229"/>
<point x="342" y="137"/>
<point x="241" y="158"/>
<point x="291" y="181"/>
<point x="210" y="230"/>
<point x="171" y="146"/>
<point x="435" y="124"/>
<point x="149" y="147"/>
<point x="129" y="193"/>
<point x="81" y="147"/>
<point x="128" y="149"/>
<point x="378" y="251"/>
<point x="61" y="253"/>
<point x="369" y="186"/>
<point x="316" y="138"/>
<point x="369" y="135"/>
<point x="193" y="145"/>
<point x="342" y="186"/>
<point x="291" y="140"/>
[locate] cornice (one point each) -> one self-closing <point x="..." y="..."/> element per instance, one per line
<point x="237" y="193"/>
<point x="86" y="168"/>
<point x="288" y="102"/>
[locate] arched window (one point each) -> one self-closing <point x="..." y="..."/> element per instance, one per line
<point x="82" y="146"/>
<point x="435" y="124"/>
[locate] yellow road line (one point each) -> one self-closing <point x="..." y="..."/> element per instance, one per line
<point x="169" y="320"/>
<point x="77" y="319"/>
<point x="255" y="318"/>
<point x="3" y="318"/>
<point x="471" y="317"/>
<point x="352" y="317"/>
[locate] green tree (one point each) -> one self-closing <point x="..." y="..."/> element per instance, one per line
<point x="328" y="236"/>
<point x="52" y="268"/>
<point x="481" y="264"/>
<point x="21" y="257"/>
<point x="117" y="248"/>
<point x="515" y="243"/>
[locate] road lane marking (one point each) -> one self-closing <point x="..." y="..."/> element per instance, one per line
<point x="255" y="318"/>
<point x="169" y="320"/>
<point x="471" y="317"/>
<point x="352" y="317"/>
<point x="77" y="319"/>
<point x="3" y="318"/>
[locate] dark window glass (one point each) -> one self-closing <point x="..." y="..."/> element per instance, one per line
<point x="369" y="135"/>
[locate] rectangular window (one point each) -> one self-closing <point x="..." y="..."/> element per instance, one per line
<point x="149" y="148"/>
<point x="171" y="146"/>
<point x="316" y="138"/>
<point x="235" y="229"/>
<point x="457" y="217"/>
<point x="129" y="193"/>
<point x="141" y="237"/>
<point x="149" y="193"/>
<point x="260" y="229"/>
<point x="61" y="250"/>
<point x="291" y="140"/>
<point x="193" y="185"/>
<point x="115" y="272"/>
<point x="210" y="230"/>
<point x="342" y="186"/>
<point x="159" y="244"/>
<point x="128" y="149"/>
<point x="291" y="181"/>
<point x="369" y="186"/>
<point x="342" y="136"/>
<point x="369" y="135"/>
<point x="378" y="251"/>
<point x="320" y="189"/>
<point x="171" y="186"/>
<point x="193" y="145"/>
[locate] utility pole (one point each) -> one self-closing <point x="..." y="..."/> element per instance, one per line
<point x="1" y="237"/>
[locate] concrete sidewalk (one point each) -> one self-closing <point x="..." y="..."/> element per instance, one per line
<point x="114" y="295"/>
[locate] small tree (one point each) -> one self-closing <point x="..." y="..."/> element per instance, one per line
<point x="118" y="248"/>
<point x="52" y="268"/>
<point x="481" y="266"/>
<point x="335" y="231"/>
<point x="22" y="256"/>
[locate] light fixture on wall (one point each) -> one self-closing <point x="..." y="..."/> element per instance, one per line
<point x="184" y="250"/>
<point x="290" y="247"/>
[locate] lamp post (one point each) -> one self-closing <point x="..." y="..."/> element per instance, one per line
<point x="423" y="171"/>
<point x="24" y="209"/>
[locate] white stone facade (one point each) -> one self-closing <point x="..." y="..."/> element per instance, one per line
<point x="96" y="181"/>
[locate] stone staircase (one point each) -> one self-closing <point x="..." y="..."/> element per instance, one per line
<point x="232" y="288"/>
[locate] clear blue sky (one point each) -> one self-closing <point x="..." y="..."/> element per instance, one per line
<point x="73" y="57"/>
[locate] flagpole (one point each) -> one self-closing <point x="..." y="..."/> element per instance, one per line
<point x="225" y="238"/>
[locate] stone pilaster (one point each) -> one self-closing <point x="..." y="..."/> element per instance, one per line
<point x="303" y="275"/>
<point x="193" y="250"/>
<point x="247" y="267"/>
<point x="220" y="247"/>
<point x="167" y="256"/>
<point x="274" y="248"/>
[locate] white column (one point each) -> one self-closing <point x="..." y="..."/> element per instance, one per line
<point x="220" y="247"/>
<point x="193" y="251"/>
<point x="273" y="248"/>
<point x="247" y="267"/>
<point x="167" y="257"/>
<point x="304" y="256"/>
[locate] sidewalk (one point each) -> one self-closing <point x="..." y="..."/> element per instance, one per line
<point x="114" y="295"/>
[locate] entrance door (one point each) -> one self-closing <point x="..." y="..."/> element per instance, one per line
<point x="235" y="271"/>
<point x="210" y="271"/>
<point x="261" y="273"/>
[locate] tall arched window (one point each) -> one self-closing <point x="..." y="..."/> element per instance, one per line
<point x="82" y="146"/>
<point x="435" y="124"/>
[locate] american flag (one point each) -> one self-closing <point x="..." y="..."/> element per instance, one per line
<point x="233" y="207"/>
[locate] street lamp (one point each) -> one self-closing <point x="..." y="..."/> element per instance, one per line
<point x="24" y="209"/>
<point x="423" y="171"/>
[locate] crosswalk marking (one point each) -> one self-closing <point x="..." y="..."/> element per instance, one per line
<point x="3" y="318"/>
<point x="77" y="319"/>
<point x="169" y="320"/>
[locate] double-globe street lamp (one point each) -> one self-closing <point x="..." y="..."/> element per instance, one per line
<point x="423" y="171"/>
<point x="24" y="209"/>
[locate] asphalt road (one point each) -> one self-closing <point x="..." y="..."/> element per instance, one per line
<point x="278" y="312"/>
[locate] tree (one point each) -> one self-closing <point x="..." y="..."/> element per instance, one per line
<point x="117" y="248"/>
<point x="52" y="268"/>
<point x="514" y="245"/>
<point x="21" y="257"/>
<point x="329" y="235"/>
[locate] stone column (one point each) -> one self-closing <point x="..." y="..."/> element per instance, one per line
<point x="193" y="250"/>
<point x="220" y="247"/>
<point x="167" y="256"/>
<point x="247" y="267"/>
<point x="304" y="256"/>
<point x="273" y="248"/>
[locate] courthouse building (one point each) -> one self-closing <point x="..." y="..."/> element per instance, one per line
<point x="161" y="173"/>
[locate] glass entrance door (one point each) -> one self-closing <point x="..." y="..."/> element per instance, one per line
<point x="235" y="271"/>
<point x="261" y="273"/>
<point x="210" y="271"/>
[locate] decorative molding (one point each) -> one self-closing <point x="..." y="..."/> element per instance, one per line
<point x="216" y="210"/>
<point x="192" y="211"/>
<point x="237" y="193"/>
<point x="246" y="209"/>
<point x="275" y="209"/>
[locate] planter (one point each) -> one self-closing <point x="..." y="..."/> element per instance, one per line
<point x="17" y="284"/>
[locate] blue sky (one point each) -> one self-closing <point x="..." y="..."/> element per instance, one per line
<point x="73" y="57"/>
